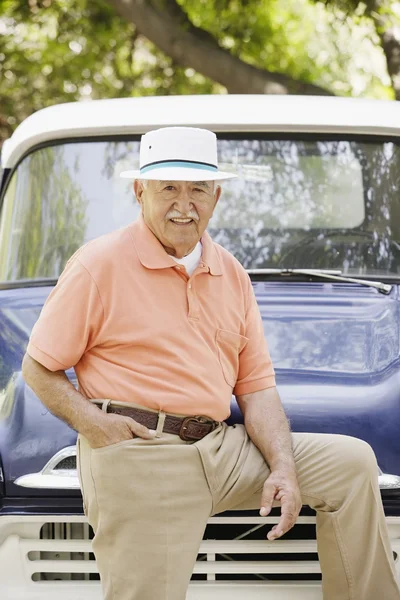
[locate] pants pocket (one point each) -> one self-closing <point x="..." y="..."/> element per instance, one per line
<point x="111" y="447"/>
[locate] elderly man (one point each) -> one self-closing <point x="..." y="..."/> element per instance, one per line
<point x="162" y="325"/>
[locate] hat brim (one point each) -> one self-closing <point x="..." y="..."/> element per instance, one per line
<point x="177" y="174"/>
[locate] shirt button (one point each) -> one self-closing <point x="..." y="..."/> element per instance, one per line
<point x="190" y="286"/>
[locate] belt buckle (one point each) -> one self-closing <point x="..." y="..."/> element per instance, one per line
<point x="185" y="425"/>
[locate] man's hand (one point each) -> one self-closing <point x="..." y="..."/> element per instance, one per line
<point x="281" y="485"/>
<point x="268" y="428"/>
<point x="109" y="428"/>
<point x="59" y="395"/>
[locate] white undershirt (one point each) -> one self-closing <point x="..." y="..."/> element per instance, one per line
<point x="191" y="261"/>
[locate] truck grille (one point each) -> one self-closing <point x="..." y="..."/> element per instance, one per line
<point x="47" y="557"/>
<point x="234" y="547"/>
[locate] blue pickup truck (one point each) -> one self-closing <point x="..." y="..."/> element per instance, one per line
<point x="315" y="219"/>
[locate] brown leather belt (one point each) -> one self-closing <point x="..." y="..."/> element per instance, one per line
<point x="188" y="428"/>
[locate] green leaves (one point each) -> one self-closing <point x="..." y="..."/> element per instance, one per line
<point x="76" y="50"/>
<point x="54" y="51"/>
<point x="300" y="38"/>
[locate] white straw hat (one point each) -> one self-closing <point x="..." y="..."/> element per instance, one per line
<point x="178" y="154"/>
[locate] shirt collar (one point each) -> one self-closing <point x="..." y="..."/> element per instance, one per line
<point x="210" y="255"/>
<point x="153" y="256"/>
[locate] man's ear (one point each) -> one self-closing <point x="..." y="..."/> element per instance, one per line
<point x="138" y="189"/>
<point x="217" y="194"/>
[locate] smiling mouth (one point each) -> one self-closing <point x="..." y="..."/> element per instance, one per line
<point x="182" y="221"/>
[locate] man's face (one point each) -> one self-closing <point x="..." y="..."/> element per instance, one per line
<point x="177" y="212"/>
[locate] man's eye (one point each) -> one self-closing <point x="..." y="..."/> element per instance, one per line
<point x="169" y="188"/>
<point x="198" y="190"/>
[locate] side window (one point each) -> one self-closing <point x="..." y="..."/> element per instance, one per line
<point x="59" y="198"/>
<point x="6" y="227"/>
<point x="44" y="217"/>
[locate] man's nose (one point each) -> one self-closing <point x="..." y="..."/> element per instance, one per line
<point x="183" y="202"/>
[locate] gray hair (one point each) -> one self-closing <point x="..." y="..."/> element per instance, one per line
<point x="145" y="183"/>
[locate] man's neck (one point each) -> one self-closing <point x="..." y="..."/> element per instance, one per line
<point x="178" y="253"/>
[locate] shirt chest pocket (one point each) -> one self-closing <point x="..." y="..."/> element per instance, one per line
<point x="229" y="345"/>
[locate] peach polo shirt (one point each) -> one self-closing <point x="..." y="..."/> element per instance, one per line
<point x="137" y="328"/>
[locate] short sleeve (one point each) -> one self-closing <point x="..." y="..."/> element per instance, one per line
<point x="255" y="366"/>
<point x="70" y="321"/>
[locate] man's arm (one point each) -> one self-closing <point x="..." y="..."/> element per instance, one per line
<point x="62" y="399"/>
<point x="268" y="428"/>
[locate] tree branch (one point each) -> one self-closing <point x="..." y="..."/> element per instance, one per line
<point x="165" y="24"/>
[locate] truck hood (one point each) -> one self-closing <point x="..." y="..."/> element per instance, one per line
<point x="335" y="349"/>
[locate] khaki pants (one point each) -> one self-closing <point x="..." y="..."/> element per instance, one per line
<point x="148" y="502"/>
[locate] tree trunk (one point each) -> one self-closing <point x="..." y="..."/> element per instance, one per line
<point x="389" y="34"/>
<point x="165" y="24"/>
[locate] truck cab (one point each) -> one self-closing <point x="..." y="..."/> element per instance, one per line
<point x="314" y="217"/>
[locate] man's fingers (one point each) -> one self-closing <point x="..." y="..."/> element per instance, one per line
<point x="139" y="429"/>
<point x="267" y="498"/>
<point x="287" y="521"/>
<point x="272" y="534"/>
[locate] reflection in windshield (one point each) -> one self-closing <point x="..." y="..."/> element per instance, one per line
<point x="44" y="217"/>
<point x="322" y="204"/>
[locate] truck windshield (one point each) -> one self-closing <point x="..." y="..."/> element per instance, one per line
<point x="297" y="204"/>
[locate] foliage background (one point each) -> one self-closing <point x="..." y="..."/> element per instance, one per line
<point x="54" y="51"/>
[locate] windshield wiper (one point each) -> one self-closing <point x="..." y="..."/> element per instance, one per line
<point x="384" y="288"/>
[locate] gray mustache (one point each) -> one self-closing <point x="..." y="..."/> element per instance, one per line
<point x="190" y="215"/>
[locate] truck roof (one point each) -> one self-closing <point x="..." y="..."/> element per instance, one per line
<point x="221" y="113"/>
